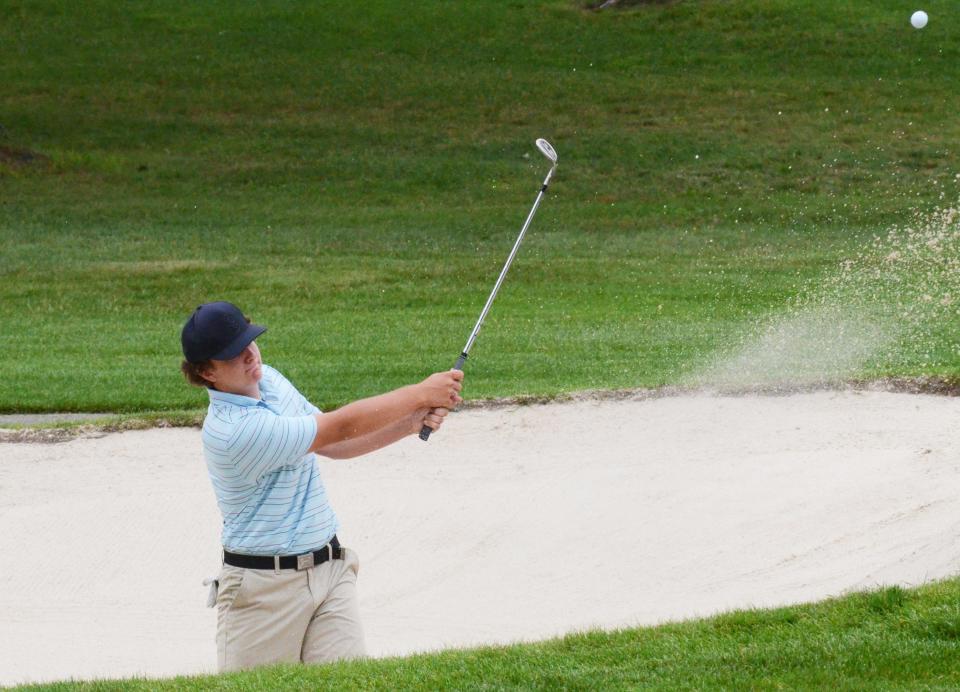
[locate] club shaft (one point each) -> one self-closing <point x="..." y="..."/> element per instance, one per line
<point x="506" y="266"/>
<point x="426" y="430"/>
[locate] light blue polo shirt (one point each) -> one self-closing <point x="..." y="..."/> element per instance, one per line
<point x="267" y="484"/>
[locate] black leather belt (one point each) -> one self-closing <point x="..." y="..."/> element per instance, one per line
<point x="331" y="551"/>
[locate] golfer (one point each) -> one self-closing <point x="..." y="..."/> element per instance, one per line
<point x="287" y="589"/>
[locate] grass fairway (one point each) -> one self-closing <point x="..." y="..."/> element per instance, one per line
<point x="354" y="176"/>
<point x="886" y="639"/>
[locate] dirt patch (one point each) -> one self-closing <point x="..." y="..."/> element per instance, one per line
<point x="21" y="157"/>
<point x="50" y="435"/>
<point x="149" y="268"/>
<point x="624" y="4"/>
<point x="54" y="434"/>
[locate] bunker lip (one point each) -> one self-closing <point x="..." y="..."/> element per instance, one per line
<point x="941" y="386"/>
<point x="25" y="428"/>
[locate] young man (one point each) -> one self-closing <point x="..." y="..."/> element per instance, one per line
<point x="287" y="591"/>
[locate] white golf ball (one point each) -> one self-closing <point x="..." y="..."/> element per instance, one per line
<point x="918" y="19"/>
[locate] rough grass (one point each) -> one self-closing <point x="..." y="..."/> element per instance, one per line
<point x="889" y="638"/>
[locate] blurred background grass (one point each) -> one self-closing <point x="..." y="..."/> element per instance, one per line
<point x="353" y="176"/>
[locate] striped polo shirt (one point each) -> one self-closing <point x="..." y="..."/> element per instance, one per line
<point x="267" y="484"/>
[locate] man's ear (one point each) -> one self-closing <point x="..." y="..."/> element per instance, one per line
<point x="209" y="373"/>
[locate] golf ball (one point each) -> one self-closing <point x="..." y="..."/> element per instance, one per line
<point x="918" y="19"/>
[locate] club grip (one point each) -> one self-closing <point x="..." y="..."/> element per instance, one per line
<point x="426" y="430"/>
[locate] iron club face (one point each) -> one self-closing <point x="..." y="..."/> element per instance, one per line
<point x="547" y="150"/>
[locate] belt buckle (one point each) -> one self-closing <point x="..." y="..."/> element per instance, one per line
<point x="305" y="561"/>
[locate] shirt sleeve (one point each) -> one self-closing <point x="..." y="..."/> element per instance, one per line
<point x="265" y="442"/>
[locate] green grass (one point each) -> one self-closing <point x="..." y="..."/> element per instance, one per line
<point x="890" y="638"/>
<point x="354" y="175"/>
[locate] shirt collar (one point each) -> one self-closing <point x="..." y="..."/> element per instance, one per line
<point x="235" y="399"/>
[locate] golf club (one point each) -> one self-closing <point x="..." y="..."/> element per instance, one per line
<point x="547" y="150"/>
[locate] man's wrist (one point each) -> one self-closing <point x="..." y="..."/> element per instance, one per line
<point x="421" y="396"/>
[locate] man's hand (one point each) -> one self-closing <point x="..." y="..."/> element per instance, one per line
<point x="441" y="393"/>
<point x="432" y="418"/>
<point x="441" y="389"/>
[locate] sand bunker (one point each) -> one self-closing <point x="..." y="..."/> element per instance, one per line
<point x="514" y="523"/>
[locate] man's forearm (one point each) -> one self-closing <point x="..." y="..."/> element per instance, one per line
<point x="371" y="442"/>
<point x="366" y="417"/>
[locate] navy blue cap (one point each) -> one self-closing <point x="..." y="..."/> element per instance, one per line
<point x="217" y="331"/>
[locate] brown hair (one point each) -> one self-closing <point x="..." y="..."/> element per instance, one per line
<point x="192" y="372"/>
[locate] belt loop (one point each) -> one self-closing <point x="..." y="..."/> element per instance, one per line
<point x="330" y="551"/>
<point x="276" y="564"/>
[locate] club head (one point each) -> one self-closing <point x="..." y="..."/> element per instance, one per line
<point x="547" y="150"/>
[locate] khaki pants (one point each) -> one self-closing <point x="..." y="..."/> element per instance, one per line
<point x="264" y="616"/>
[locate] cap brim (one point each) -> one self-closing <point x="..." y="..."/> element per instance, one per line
<point x="237" y="345"/>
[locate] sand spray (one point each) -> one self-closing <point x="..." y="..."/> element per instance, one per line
<point x="881" y="309"/>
